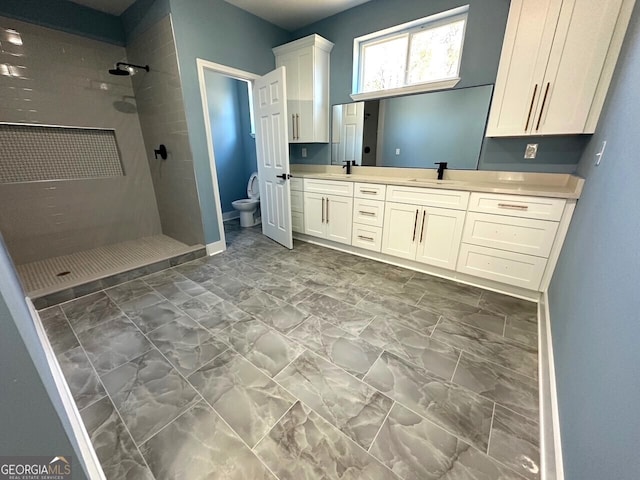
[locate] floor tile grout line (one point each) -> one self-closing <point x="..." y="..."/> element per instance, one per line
<point x="382" y="350"/>
<point x="266" y="434"/>
<point x="380" y="429"/>
<point x="493" y="417"/>
<point x="453" y="375"/>
<point x="107" y="395"/>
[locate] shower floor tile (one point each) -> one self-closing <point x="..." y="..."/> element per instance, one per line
<point x="52" y="274"/>
<point x="279" y="373"/>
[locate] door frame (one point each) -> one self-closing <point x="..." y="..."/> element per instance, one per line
<point x="206" y="65"/>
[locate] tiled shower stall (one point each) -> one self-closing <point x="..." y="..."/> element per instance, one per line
<point x="84" y="202"/>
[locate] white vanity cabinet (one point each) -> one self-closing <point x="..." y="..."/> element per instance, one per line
<point x="509" y="238"/>
<point x="419" y="229"/>
<point x="328" y="209"/>
<point x="556" y="65"/>
<point x="307" y="79"/>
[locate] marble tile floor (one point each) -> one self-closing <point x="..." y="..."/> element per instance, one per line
<point x="265" y="363"/>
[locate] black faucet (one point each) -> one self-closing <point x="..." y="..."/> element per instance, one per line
<point x="442" y="166"/>
<point x="347" y="165"/>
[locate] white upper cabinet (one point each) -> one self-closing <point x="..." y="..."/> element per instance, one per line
<point x="307" y="67"/>
<point x="557" y="60"/>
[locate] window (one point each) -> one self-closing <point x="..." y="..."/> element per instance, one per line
<point x="417" y="56"/>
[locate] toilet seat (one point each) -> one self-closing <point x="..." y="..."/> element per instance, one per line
<point x="253" y="187"/>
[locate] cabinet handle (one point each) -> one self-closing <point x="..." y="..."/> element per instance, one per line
<point x="298" y="129"/>
<point x="370" y="214"/>
<point x="415" y="226"/>
<point x="371" y="192"/>
<point x="544" y="101"/>
<point x="322" y="209"/>
<point x="293" y="126"/>
<point x="533" y="97"/>
<point x="327" y="210"/>
<point x="362" y="237"/>
<point x="512" y="206"/>
<point x="424" y="214"/>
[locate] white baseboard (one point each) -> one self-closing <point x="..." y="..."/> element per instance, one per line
<point x="216" y="247"/>
<point x="551" y="466"/>
<point x="226" y="216"/>
<point x="89" y="459"/>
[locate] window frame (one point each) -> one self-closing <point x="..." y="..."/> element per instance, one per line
<point x="398" y="31"/>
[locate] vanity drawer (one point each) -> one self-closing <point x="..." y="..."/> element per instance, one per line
<point x="296" y="183"/>
<point x="431" y="197"/>
<point x="371" y="191"/>
<point x="297" y="201"/>
<point x="368" y="212"/>
<point x="541" y="208"/>
<point x="297" y="221"/>
<point x="328" y="187"/>
<point x="521" y="235"/>
<point x="506" y="267"/>
<point x="365" y="236"/>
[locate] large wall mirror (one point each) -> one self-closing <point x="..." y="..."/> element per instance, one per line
<point x="413" y="131"/>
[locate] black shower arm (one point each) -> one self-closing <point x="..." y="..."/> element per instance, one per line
<point x="143" y="67"/>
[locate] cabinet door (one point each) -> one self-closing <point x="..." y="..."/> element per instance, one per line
<point x="440" y="234"/>
<point x="338" y="217"/>
<point x="291" y="64"/>
<point x="525" y="52"/>
<point x="580" y="47"/>
<point x="400" y="232"/>
<point x="314" y="214"/>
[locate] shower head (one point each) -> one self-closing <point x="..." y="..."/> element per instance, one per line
<point x="129" y="70"/>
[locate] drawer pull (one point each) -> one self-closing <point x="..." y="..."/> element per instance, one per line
<point x="371" y="214"/>
<point x="424" y="214"/>
<point x="322" y="209"/>
<point x="327" y="210"/>
<point x="415" y="226"/>
<point x="372" y="192"/>
<point x="362" y="237"/>
<point x="512" y="206"/>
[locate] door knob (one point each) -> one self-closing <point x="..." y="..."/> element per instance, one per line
<point x="284" y="176"/>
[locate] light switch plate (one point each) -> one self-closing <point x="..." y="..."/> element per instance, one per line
<point x="304" y="152"/>
<point x="531" y="151"/>
<point x="397" y="151"/>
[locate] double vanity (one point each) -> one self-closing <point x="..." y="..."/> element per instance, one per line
<point x="498" y="230"/>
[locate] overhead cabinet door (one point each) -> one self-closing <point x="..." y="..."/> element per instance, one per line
<point x="551" y="67"/>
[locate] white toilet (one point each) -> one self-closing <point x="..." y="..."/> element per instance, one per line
<point x="249" y="208"/>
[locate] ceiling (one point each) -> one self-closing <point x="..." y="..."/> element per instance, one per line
<point x="288" y="14"/>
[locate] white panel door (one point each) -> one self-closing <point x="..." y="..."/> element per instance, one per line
<point x="352" y="130"/>
<point x="338" y="217"/>
<point x="440" y="233"/>
<point x="272" y="148"/>
<point x="399" y="237"/>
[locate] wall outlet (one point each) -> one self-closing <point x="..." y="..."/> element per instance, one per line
<point x="397" y="151"/>
<point x="304" y="152"/>
<point x="531" y="151"/>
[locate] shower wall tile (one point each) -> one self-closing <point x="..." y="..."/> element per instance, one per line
<point x="56" y="78"/>
<point x="163" y="121"/>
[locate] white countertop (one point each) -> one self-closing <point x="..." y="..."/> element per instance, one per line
<point x="555" y="185"/>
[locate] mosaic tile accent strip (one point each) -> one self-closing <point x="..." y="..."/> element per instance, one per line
<point x="32" y="153"/>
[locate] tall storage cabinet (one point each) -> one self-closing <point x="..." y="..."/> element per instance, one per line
<point x="307" y="68"/>
<point x="556" y="65"/>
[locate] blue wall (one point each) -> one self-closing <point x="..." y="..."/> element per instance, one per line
<point x="217" y="31"/>
<point x="228" y="110"/>
<point x="68" y="17"/>
<point x="594" y="300"/>
<point x="445" y="126"/>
